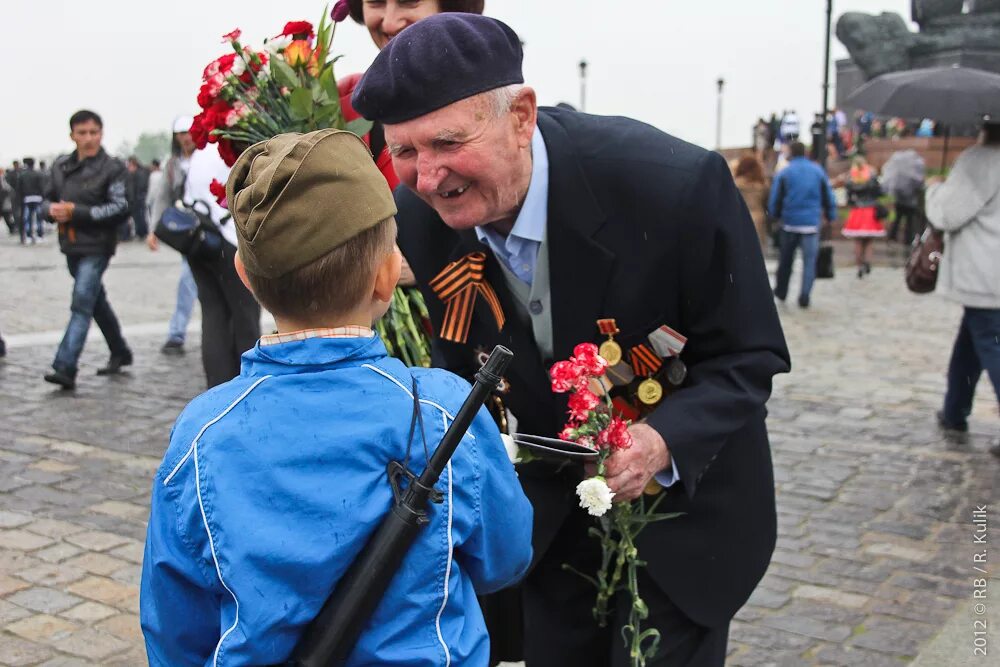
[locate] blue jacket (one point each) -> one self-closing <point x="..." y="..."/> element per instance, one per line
<point x="274" y="481"/>
<point x="800" y="194"/>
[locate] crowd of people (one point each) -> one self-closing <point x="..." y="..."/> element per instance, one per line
<point x="473" y="184"/>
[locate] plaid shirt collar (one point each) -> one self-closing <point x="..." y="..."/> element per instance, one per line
<point x="351" y="331"/>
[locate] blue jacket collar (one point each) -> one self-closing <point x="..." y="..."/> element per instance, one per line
<point x="311" y="354"/>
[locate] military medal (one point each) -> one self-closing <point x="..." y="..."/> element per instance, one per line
<point x="650" y="391"/>
<point x="652" y="488"/>
<point x="676" y="372"/>
<point x="645" y="362"/>
<point x="669" y="344"/>
<point x="610" y="350"/>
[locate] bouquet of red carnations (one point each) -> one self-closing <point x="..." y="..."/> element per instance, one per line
<point x="594" y="424"/>
<point x="251" y="95"/>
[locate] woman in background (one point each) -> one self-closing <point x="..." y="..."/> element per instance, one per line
<point x="966" y="208"/>
<point x="753" y="185"/>
<point x="863" y="225"/>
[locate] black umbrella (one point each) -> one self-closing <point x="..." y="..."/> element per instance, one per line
<point x="950" y="95"/>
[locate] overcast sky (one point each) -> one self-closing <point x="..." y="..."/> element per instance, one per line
<point x="138" y="63"/>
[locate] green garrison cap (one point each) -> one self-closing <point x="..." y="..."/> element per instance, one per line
<point x="296" y="197"/>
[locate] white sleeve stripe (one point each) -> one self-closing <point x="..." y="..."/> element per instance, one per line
<point x="205" y="428"/>
<point x="215" y="558"/>
<point x="410" y="393"/>
<point x="447" y="571"/>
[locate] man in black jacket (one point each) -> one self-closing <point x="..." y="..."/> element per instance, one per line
<point x="618" y="222"/>
<point x="87" y="200"/>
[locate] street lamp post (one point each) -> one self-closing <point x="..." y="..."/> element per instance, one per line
<point x="583" y="85"/>
<point x="718" y="114"/>
<point x="822" y="152"/>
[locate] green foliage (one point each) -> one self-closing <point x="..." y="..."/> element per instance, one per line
<point x="152" y="146"/>
<point x="148" y="147"/>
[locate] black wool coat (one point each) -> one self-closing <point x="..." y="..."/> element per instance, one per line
<point x="649" y="230"/>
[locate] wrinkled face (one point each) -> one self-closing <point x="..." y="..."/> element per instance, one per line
<point x="470" y="166"/>
<point x="386" y="18"/>
<point x="87" y="137"/>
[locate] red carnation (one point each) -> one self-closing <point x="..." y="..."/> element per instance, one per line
<point x="205" y="97"/>
<point x="568" y="434"/>
<point x="616" y="435"/>
<point x="218" y="191"/>
<point x="586" y="355"/>
<point x="298" y="30"/>
<point x="566" y="376"/>
<point x="198" y="131"/>
<point x="221" y="65"/>
<point x="227" y="153"/>
<point x="581" y="403"/>
<point x="232" y="36"/>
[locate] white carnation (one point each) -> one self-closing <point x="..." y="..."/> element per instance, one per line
<point x="276" y="44"/>
<point x="595" y="496"/>
<point x="513" y="451"/>
<point x="239" y="66"/>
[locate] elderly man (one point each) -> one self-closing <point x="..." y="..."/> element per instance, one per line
<point x="594" y="227"/>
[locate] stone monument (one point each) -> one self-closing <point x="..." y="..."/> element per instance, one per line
<point x="952" y="32"/>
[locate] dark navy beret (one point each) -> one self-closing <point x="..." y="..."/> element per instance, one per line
<point x="436" y="61"/>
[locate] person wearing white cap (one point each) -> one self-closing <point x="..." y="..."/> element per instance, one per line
<point x="230" y="317"/>
<point x="168" y="189"/>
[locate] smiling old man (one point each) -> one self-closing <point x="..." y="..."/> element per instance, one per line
<point x="579" y="219"/>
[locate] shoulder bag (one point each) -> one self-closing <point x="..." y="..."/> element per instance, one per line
<point x="925" y="260"/>
<point x="191" y="232"/>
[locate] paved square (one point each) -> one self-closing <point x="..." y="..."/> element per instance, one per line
<point x="875" y="510"/>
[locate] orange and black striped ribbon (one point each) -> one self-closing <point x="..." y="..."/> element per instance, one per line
<point x="458" y="285"/>
<point x="644" y="361"/>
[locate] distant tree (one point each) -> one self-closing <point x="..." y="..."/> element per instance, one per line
<point x="152" y="146"/>
<point x="148" y="147"/>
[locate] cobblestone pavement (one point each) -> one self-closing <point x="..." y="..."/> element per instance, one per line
<point x="875" y="510"/>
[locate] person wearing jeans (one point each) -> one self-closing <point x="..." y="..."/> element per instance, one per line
<point x="230" y="316"/>
<point x="800" y="197"/>
<point x="788" y="242"/>
<point x="187" y="295"/>
<point x="31" y="187"/>
<point x="967" y="208"/>
<point x="977" y="349"/>
<point x="86" y="197"/>
<point x="89" y="303"/>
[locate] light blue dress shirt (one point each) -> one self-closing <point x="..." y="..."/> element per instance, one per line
<point x="519" y="250"/>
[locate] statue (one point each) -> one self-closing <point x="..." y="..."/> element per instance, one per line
<point x="883" y="43"/>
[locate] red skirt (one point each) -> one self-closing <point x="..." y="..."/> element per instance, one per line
<point x="862" y="223"/>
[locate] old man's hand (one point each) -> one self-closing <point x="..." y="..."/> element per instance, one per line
<point x="629" y="470"/>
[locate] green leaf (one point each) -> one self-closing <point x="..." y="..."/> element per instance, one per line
<point x="359" y="126"/>
<point x="283" y="73"/>
<point x="301" y="103"/>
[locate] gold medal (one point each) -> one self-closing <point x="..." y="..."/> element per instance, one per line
<point x="650" y="391"/>
<point x="611" y="351"/>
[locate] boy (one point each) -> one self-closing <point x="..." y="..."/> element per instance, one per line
<point x="274" y="481"/>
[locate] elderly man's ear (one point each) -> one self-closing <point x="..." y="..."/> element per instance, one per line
<point x="524" y="112"/>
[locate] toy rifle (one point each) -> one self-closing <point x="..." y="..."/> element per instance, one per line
<point x="329" y="639"/>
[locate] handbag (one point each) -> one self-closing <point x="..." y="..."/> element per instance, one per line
<point x="191" y="232"/>
<point x="925" y="259"/>
<point x="824" y="261"/>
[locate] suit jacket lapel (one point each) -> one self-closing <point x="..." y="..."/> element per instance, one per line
<point x="580" y="267"/>
<point x="527" y="364"/>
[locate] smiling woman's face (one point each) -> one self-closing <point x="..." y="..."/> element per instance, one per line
<point x="386" y="18"/>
